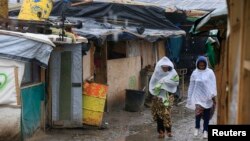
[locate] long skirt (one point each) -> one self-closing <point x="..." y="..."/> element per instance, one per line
<point x="162" y="114"/>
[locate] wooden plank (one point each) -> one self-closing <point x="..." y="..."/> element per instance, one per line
<point x="4" y="9"/>
<point x="245" y="113"/>
<point x="221" y="78"/>
<point x="247" y="65"/>
<point x="148" y="54"/>
<point x="43" y="116"/>
<point x="238" y="45"/>
<point x="92" y="64"/>
<point x="42" y="75"/>
<point x="122" y="74"/>
<point x="17" y="86"/>
<point x="234" y="46"/>
<point x="244" y="98"/>
<point x="86" y="66"/>
<point x="155" y="51"/>
<point x="88" y="63"/>
<point x="161" y="49"/>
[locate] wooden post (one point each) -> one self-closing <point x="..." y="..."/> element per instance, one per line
<point x="243" y="116"/>
<point x="17" y="86"/>
<point x="221" y="79"/>
<point x="161" y="49"/>
<point x="42" y="75"/>
<point x="4" y="9"/>
<point x="92" y="58"/>
<point x="43" y="109"/>
<point x="233" y="59"/>
<point x="43" y="118"/>
<point x="237" y="60"/>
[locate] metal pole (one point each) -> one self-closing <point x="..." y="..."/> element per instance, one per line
<point x="183" y="85"/>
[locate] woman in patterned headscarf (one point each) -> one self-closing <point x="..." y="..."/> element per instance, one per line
<point x="201" y="94"/>
<point x="163" y="84"/>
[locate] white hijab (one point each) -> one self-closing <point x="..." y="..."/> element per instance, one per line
<point x="165" y="78"/>
<point x="202" y="87"/>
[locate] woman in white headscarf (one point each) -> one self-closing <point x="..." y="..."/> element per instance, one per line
<point x="201" y="94"/>
<point x="163" y="84"/>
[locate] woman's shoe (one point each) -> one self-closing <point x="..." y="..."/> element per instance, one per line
<point x="161" y="134"/>
<point x="196" y="132"/>
<point x="169" y="134"/>
<point x="205" y="135"/>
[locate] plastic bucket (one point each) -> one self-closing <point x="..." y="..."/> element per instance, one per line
<point x="134" y="100"/>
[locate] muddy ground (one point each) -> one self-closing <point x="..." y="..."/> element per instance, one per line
<point x="128" y="126"/>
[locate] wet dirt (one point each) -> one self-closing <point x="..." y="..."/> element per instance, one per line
<point x="128" y="126"/>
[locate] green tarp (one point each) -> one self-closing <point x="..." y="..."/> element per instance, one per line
<point x="31" y="108"/>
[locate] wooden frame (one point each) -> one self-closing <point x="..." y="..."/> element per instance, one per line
<point x="244" y="98"/>
<point x="234" y="87"/>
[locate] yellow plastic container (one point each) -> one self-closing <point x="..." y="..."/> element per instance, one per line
<point x="93" y="103"/>
<point x="93" y="118"/>
<point x="93" y="108"/>
<point x="94" y="98"/>
<point x="35" y="10"/>
<point x="95" y="89"/>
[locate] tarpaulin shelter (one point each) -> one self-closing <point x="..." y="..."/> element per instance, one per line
<point x="16" y="50"/>
<point x="25" y="47"/>
<point x="122" y="34"/>
<point x="126" y="21"/>
<point x="216" y="19"/>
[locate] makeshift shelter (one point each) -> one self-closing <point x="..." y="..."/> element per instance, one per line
<point x="124" y="39"/>
<point x="21" y="54"/>
<point x="65" y="85"/>
<point x="26" y="83"/>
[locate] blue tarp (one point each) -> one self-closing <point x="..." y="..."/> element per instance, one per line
<point x="174" y="46"/>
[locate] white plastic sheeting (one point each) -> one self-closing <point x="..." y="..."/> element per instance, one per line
<point x="217" y="15"/>
<point x="202" y="87"/>
<point x="76" y="92"/>
<point x="7" y="86"/>
<point x="165" y="79"/>
<point x="102" y="31"/>
<point x="25" y="46"/>
<point x="10" y="125"/>
<point x="8" y="94"/>
<point x="188" y="4"/>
